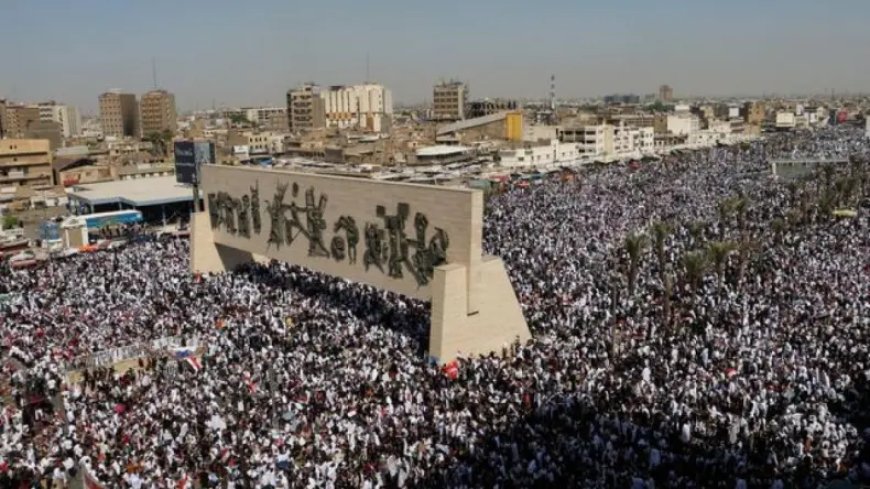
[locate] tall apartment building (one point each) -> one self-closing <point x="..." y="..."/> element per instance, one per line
<point x="305" y="108"/>
<point x="119" y="114"/>
<point x="366" y="107"/>
<point x="66" y="115"/>
<point x="157" y="112"/>
<point x="449" y="100"/>
<point x="15" y="119"/>
<point x="25" y="163"/>
<point x="666" y="93"/>
<point x="3" y="122"/>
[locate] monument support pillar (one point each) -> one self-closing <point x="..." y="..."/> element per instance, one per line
<point x="206" y="256"/>
<point x="496" y="323"/>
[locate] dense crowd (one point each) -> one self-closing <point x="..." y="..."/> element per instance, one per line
<point x="695" y="323"/>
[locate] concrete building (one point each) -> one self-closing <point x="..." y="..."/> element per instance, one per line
<point x="554" y="153"/>
<point x="25" y="163"/>
<point x="48" y="130"/>
<point x="625" y="99"/>
<point x="502" y="126"/>
<point x="267" y="118"/>
<point x="157" y="110"/>
<point x="66" y="115"/>
<point x="119" y="114"/>
<point x="449" y="100"/>
<point x="666" y="93"/>
<point x="306" y="108"/>
<point x="683" y="124"/>
<point x="754" y="113"/>
<point x="607" y="142"/>
<point x="16" y="119"/>
<point x="367" y="107"/>
<point x="785" y="121"/>
<point x="480" y="108"/>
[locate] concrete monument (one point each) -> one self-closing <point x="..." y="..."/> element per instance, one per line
<point x="416" y="240"/>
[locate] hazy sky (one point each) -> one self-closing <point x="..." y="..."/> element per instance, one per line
<point x="249" y="52"/>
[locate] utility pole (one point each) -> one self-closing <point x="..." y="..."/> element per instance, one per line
<point x="154" y="71"/>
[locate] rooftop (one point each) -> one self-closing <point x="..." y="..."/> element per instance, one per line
<point x="138" y="193"/>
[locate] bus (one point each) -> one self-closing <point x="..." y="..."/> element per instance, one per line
<point x="103" y="219"/>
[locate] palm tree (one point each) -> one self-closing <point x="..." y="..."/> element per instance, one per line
<point x="724" y="209"/>
<point x="695" y="265"/>
<point x="666" y="299"/>
<point x="718" y="252"/>
<point x="634" y="245"/>
<point x="828" y="174"/>
<point x="778" y="227"/>
<point x="745" y="248"/>
<point x="741" y="205"/>
<point x="660" y="232"/>
<point x="696" y="231"/>
<point x="792" y="192"/>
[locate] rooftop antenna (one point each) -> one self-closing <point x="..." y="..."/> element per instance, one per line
<point x="154" y="71"/>
<point x="553" y="93"/>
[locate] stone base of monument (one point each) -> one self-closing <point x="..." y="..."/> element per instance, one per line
<point x="472" y="313"/>
<point x="467" y="325"/>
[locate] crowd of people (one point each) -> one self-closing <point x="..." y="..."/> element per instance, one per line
<point x="696" y="323"/>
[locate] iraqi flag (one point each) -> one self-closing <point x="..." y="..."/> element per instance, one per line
<point x="188" y="355"/>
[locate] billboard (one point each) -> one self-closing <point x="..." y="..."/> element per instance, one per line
<point x="189" y="157"/>
<point x="185" y="162"/>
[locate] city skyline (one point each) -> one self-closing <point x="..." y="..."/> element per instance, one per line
<point x="229" y="54"/>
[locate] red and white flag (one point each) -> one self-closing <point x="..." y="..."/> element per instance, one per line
<point x="183" y="483"/>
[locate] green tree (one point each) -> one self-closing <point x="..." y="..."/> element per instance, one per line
<point x="696" y="231"/>
<point x="695" y="266"/>
<point x="10" y="221"/>
<point x="778" y="227"/>
<point x="718" y="252"/>
<point x="660" y="231"/>
<point x="741" y="207"/>
<point x="634" y="245"/>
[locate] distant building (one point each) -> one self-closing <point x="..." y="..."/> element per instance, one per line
<point x="157" y="110"/>
<point x="267" y="118"/>
<point x="501" y="126"/>
<point x="683" y="124"/>
<point x="367" y="107"/>
<point x="305" y="108"/>
<point x="785" y="121"/>
<point x="119" y="114"/>
<point x="25" y="163"/>
<point x="625" y="99"/>
<point x="666" y="93"/>
<point x="49" y="130"/>
<point x="480" y="108"/>
<point x="754" y="113"/>
<point x="449" y="100"/>
<point x="16" y="118"/>
<point x="608" y="141"/>
<point x="66" y="115"/>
